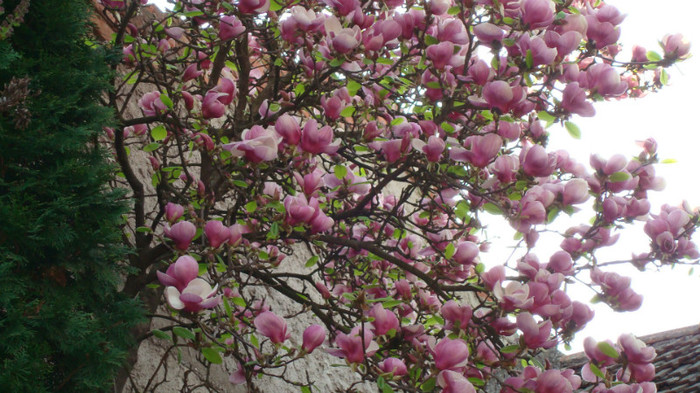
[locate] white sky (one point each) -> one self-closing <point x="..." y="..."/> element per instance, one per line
<point x="669" y="295"/>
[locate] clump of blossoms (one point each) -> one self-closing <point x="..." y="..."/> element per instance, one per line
<point x="371" y="138"/>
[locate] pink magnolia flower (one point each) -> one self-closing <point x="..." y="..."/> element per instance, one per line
<point x="181" y="233"/>
<point x="603" y="79"/>
<point x="536" y="162"/>
<point x="675" y="46"/>
<point x="384" y="320"/>
<point x="196" y="296"/>
<point x="482" y="150"/>
<point x="317" y="141"/>
<point x="298" y="209"/>
<point x="535" y="335"/>
<point x="454" y="382"/>
<point x="537" y="13"/>
<point x="540" y="52"/>
<point x="574" y="101"/>
<point x="217" y="233"/>
<point x="192" y="71"/>
<point x="313" y="336"/>
<point x="450" y="354"/>
<point x="332" y="107"/>
<point x="151" y="104"/>
<point x="356" y="345"/>
<point x="173" y="211"/>
<point x="440" y="54"/>
<point x="258" y="144"/>
<point x="271" y="326"/>
<point x="393" y="366"/>
<point x="455" y="315"/>
<point x="212" y="107"/>
<point x="180" y="273"/>
<point x="253" y="6"/>
<point x="552" y="381"/>
<point x="289" y="129"/>
<point x="488" y="33"/>
<point x="433" y="149"/>
<point x="230" y="27"/>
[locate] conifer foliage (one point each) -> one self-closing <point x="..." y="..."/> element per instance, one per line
<point x="64" y="327"/>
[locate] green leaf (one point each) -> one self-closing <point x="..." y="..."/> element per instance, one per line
<point x="161" y="335"/>
<point x="663" y="78"/>
<point x="312" y="261"/>
<point x="238" y="301"/>
<point x="340" y="171"/>
<point x="653" y="56"/>
<point x="544" y="116"/>
<point x="529" y="61"/>
<point x="192" y="14"/>
<point x="429" y="385"/>
<point x="212" y="355"/>
<point x="669" y="161"/>
<point x="348" y="111"/>
<point x="184" y="333"/>
<point x="305" y="389"/>
<point x="391" y="303"/>
<point x="453" y="10"/>
<point x="619" y="177"/>
<point x="159" y="133"/>
<point x="381" y="383"/>
<point x="430" y="40"/>
<point x="353" y="87"/>
<point x="608" y="350"/>
<point x="491" y="208"/>
<point x="275" y="5"/>
<point x="397" y="121"/>
<point x="510" y="349"/>
<point x="166" y="101"/>
<point x="596" y="371"/>
<point x="449" y="251"/>
<point x="251" y="206"/>
<point x="385" y="61"/>
<point x="151" y="147"/>
<point x="573" y="129"/>
<point x="299" y="89"/>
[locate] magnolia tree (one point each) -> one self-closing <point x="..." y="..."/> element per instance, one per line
<point x="372" y="137"/>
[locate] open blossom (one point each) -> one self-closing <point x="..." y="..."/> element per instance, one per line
<point x="393" y="366"/>
<point x="258" y="144"/>
<point x="675" y="46"/>
<point x="354" y="346"/>
<point x="151" y="104"/>
<point x="180" y="273"/>
<point x="272" y="326"/>
<point x="454" y="382"/>
<point x="230" y="27"/>
<point x="537" y="13"/>
<point x="384" y="320"/>
<point x="317" y="141"/>
<point x="196" y="296"/>
<point x="217" y="233"/>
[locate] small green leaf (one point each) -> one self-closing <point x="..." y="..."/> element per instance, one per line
<point x="430" y="40"/>
<point x="159" y="133"/>
<point x="619" y="177"/>
<point x="669" y="161"/>
<point x="429" y="385"/>
<point x="161" y="335"/>
<point x="311" y="261"/>
<point x="529" y="61"/>
<point x="299" y="89"/>
<point x="251" y="206"/>
<point x="353" y="87"/>
<point x="385" y="61"/>
<point x="653" y="56"/>
<point x="397" y="121"/>
<point x="166" y="101"/>
<point x="238" y="301"/>
<point x="151" y="147"/>
<point x="184" y="333"/>
<point x="596" y="371"/>
<point x="510" y="349"/>
<point x="305" y="389"/>
<point x="348" y="111"/>
<point x="663" y="78"/>
<point x="212" y="355"/>
<point x="340" y="171"/>
<point x="544" y="116"/>
<point x="491" y="208"/>
<point x="449" y="251"/>
<point x="453" y="10"/>
<point x="573" y="129"/>
<point x="391" y="303"/>
<point x="608" y="350"/>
